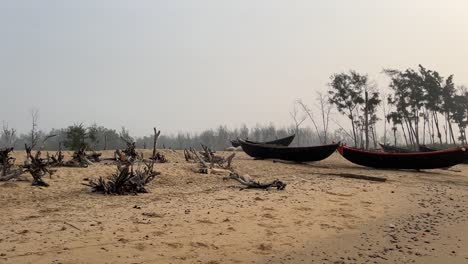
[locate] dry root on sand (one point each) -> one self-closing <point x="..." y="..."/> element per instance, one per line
<point x="126" y="180"/>
<point x="37" y="167"/>
<point x="209" y="161"/>
<point x="213" y="164"/>
<point x="6" y="164"/>
<point x="251" y="183"/>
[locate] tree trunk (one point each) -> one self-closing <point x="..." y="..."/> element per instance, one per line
<point x="436" y="121"/>
<point x="404" y="134"/>
<point x="354" y="128"/>
<point x="410" y="134"/>
<point x="450" y="128"/>
<point x="424" y="130"/>
<point x="366" y="121"/>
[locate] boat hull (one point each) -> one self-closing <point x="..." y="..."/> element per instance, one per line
<point x="279" y="142"/>
<point x="414" y="160"/>
<point x="296" y="154"/>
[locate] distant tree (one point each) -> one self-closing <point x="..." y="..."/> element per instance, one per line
<point x="460" y="113"/>
<point x="298" y="120"/>
<point x="7" y="136"/>
<point x="347" y="94"/>
<point x="448" y="104"/>
<point x="244" y="132"/>
<point x="93" y="136"/>
<point x="75" y="137"/>
<point x="34" y="133"/>
<point x="408" y="99"/>
<point x="125" y="135"/>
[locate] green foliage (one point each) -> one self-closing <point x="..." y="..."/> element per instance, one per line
<point x="348" y="93"/>
<point x="75" y="137"/>
<point x="93" y="135"/>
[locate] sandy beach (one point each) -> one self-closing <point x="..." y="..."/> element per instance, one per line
<point x="413" y="217"/>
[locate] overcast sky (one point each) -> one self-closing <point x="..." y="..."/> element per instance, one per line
<point x="191" y="65"/>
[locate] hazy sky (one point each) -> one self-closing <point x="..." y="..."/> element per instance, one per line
<point x="190" y="65"/>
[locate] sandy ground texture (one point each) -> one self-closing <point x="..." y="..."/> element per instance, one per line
<point x="413" y="217"/>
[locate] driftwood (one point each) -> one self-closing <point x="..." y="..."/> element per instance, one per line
<point x="79" y="159"/>
<point x="56" y="159"/>
<point x="6" y="162"/>
<point x="208" y="160"/>
<point x="251" y="183"/>
<point x="94" y="156"/>
<point x="37" y="167"/>
<point x="130" y="151"/>
<point x="126" y="180"/>
<point x="12" y="174"/>
<point x="155" y="141"/>
<point x="7" y="169"/>
<point x="355" y="176"/>
<point x="212" y="164"/>
<point x="160" y="158"/>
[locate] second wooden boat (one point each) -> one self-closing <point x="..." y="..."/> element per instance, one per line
<point x="413" y="160"/>
<point x="286" y="141"/>
<point x="297" y="154"/>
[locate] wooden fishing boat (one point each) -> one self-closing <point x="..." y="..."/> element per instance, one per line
<point x="428" y="149"/>
<point x="413" y="160"/>
<point x="424" y="148"/>
<point x="297" y="154"/>
<point x="394" y="149"/>
<point x="286" y="141"/>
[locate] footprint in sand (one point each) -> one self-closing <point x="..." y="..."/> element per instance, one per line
<point x="303" y="208"/>
<point x="174" y="244"/>
<point x="264" y="248"/>
<point x="140" y="246"/>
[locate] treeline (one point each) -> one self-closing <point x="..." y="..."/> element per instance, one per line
<point x="100" y="138"/>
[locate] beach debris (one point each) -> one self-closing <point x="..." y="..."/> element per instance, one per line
<point x="37" y="167"/>
<point x="158" y="157"/>
<point x="57" y="159"/>
<point x="208" y="161"/>
<point x="126" y="180"/>
<point x="79" y="159"/>
<point x="251" y="183"/>
<point x="6" y="164"/>
<point x="355" y="176"/>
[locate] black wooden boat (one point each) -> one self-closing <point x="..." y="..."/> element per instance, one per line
<point x="286" y="141"/>
<point x="297" y="154"/>
<point x="414" y="160"/>
<point x="424" y="148"/>
<point x="427" y="149"/>
<point x="394" y="149"/>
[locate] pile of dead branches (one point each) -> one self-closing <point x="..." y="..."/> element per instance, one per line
<point x="57" y="159"/>
<point x="159" y="158"/>
<point x="130" y="151"/>
<point x="94" y="156"/>
<point x="126" y="180"/>
<point x="37" y="167"/>
<point x="6" y="161"/>
<point x="209" y="162"/>
<point x="8" y="170"/>
<point x="251" y="183"/>
<point x="79" y="159"/>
